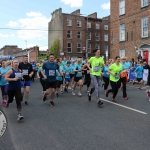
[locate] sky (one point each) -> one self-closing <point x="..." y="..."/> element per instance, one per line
<point x="18" y="17"/>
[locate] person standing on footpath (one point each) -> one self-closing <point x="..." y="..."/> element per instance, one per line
<point x="27" y="70"/>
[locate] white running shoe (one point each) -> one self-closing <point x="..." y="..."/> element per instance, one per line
<point x="19" y="117"/>
<point x="79" y="94"/>
<point x="73" y="93"/>
<point x="69" y="88"/>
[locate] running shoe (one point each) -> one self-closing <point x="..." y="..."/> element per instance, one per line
<point x="26" y="103"/>
<point x="57" y="94"/>
<point x="79" y="94"/>
<point x="89" y="97"/>
<point x="88" y="91"/>
<point x="65" y="89"/>
<point x="69" y="88"/>
<point x="44" y="98"/>
<point x="133" y="83"/>
<point x="125" y="98"/>
<point x="4" y="102"/>
<point x="19" y="117"/>
<point x="73" y="93"/>
<point x="99" y="103"/>
<point x="107" y="94"/>
<point x="52" y="103"/>
<point x="61" y="92"/>
<point x="139" y="89"/>
<point x="113" y="100"/>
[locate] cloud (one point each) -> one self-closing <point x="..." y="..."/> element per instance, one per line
<point x="6" y="35"/>
<point x="12" y="24"/>
<point x="43" y="48"/>
<point x="106" y="6"/>
<point x="34" y="20"/>
<point x="73" y="3"/>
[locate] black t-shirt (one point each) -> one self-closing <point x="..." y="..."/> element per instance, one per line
<point x="26" y="69"/>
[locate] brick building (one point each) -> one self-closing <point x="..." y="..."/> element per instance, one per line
<point x="32" y="54"/>
<point x="76" y="33"/>
<point x="9" y="50"/>
<point x="129" y="28"/>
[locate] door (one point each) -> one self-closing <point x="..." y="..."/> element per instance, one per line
<point x="145" y="53"/>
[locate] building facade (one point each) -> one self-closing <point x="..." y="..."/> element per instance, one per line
<point x="129" y="28"/>
<point x="9" y="50"/>
<point x="78" y="34"/>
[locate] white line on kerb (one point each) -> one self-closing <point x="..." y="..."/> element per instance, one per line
<point x="124" y="106"/>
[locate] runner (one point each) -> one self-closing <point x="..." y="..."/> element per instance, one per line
<point x="72" y="66"/>
<point x="124" y="77"/>
<point x="115" y="72"/>
<point x="26" y="69"/>
<point x="139" y="74"/>
<point x="78" y="77"/>
<point x="50" y="68"/>
<point x="97" y="63"/>
<point x="3" y="82"/>
<point x="106" y="75"/>
<point x="14" y="76"/>
<point x="34" y="67"/>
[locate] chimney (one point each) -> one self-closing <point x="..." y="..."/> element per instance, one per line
<point x="76" y="12"/>
<point x="94" y="15"/>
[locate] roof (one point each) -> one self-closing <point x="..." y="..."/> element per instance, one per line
<point x="22" y="53"/>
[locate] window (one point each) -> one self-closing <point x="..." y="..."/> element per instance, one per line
<point x="144" y="3"/>
<point x="122" y="53"/>
<point x="69" y="47"/>
<point x="79" y="48"/>
<point x="122" y="7"/>
<point x="79" y="35"/>
<point x="106" y="50"/>
<point x="89" y="47"/>
<point x="122" y="32"/>
<point x="89" y="35"/>
<point x="97" y="46"/>
<point x="145" y="27"/>
<point x="88" y="24"/>
<point x="97" y="36"/>
<point x="105" y="27"/>
<point x="69" y="34"/>
<point x="79" y="23"/>
<point x="105" y="37"/>
<point x="97" y="26"/>
<point x="69" y="22"/>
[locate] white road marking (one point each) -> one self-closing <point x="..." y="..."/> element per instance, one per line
<point x="124" y="106"/>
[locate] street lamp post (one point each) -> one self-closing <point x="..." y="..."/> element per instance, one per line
<point x="87" y="32"/>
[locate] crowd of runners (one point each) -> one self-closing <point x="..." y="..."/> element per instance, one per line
<point x="57" y="76"/>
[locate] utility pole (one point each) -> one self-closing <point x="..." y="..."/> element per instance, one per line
<point x="87" y="33"/>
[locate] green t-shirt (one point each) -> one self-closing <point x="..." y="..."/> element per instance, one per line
<point x="117" y="70"/>
<point x="97" y="65"/>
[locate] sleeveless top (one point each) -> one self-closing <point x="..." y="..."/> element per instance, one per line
<point x="15" y="85"/>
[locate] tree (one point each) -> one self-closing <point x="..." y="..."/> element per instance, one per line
<point x="54" y="49"/>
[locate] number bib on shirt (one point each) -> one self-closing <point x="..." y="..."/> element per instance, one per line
<point x="88" y="71"/>
<point x="79" y="73"/>
<point x="108" y="73"/>
<point x="67" y="73"/>
<point x="51" y="72"/>
<point x="96" y="69"/>
<point x="117" y="76"/>
<point x="3" y="75"/>
<point x="25" y="72"/>
<point x="18" y="75"/>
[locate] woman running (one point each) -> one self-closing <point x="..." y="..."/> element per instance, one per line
<point x="97" y="63"/>
<point x="14" y="76"/>
<point x="78" y="77"/>
<point x="106" y="75"/>
<point x="3" y="82"/>
<point x="72" y="66"/>
<point x="115" y="72"/>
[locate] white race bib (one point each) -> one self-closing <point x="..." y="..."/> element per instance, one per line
<point x="51" y="72"/>
<point x="96" y="69"/>
<point x="25" y="72"/>
<point x="88" y="71"/>
<point x="67" y="73"/>
<point x="18" y="75"/>
<point x="117" y="76"/>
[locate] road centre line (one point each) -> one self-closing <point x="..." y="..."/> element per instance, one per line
<point x="124" y="106"/>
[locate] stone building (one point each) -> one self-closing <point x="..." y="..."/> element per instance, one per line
<point x="78" y="34"/>
<point x="129" y="28"/>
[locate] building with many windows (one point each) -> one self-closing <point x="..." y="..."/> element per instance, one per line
<point x="129" y="28"/>
<point x="79" y="34"/>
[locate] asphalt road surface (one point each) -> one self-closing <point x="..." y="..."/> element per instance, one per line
<point x="74" y="123"/>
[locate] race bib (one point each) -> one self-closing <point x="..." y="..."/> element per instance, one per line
<point x="18" y="75"/>
<point x="25" y="72"/>
<point x="96" y="69"/>
<point x="88" y="71"/>
<point x="79" y="73"/>
<point x="108" y="73"/>
<point x="3" y="75"/>
<point x="67" y="73"/>
<point x="117" y="76"/>
<point x="51" y="72"/>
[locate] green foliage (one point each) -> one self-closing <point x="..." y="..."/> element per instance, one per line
<point x="43" y="57"/>
<point x="54" y="48"/>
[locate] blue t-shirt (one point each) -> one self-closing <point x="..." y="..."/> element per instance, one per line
<point x="39" y="71"/>
<point x="79" y="73"/>
<point x="58" y="76"/>
<point x="64" y="62"/>
<point x="125" y="66"/>
<point x="2" y="77"/>
<point x="105" y="71"/>
<point x="139" y="71"/>
<point x="83" y="62"/>
<point x="128" y="64"/>
<point x="67" y="71"/>
<point x="34" y="65"/>
<point x="50" y="70"/>
<point x="72" y="66"/>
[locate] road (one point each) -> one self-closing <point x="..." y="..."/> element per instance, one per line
<point x="77" y="124"/>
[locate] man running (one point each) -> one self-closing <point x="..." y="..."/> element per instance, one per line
<point x="27" y="70"/>
<point x="50" y="68"/>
